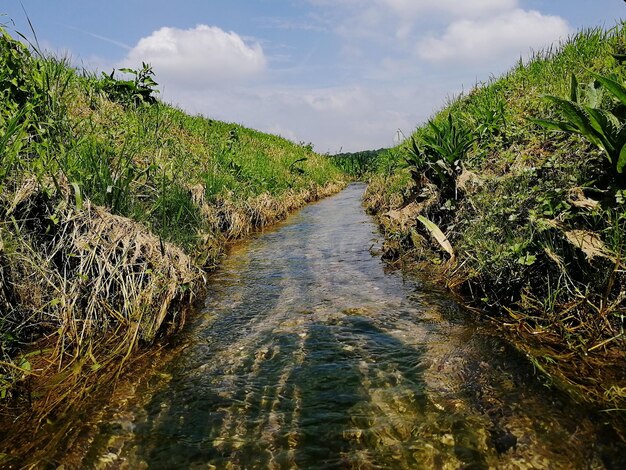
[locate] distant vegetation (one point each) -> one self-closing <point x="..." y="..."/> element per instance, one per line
<point x="360" y="164"/>
<point x="516" y="191"/>
<point x="112" y="206"/>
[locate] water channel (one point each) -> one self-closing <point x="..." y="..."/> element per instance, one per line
<point x="310" y="354"/>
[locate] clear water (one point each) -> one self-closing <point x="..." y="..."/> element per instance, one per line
<point x="309" y="354"/>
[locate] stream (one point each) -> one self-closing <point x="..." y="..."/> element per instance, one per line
<point x="311" y="354"/>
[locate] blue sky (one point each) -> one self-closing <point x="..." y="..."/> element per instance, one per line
<point x="341" y="74"/>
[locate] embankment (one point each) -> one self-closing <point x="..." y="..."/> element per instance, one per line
<point x="113" y="206"/>
<point x="513" y="195"/>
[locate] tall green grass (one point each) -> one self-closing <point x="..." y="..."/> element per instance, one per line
<point x="135" y="156"/>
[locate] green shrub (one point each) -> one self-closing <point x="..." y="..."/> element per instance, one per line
<point x="605" y="128"/>
<point x="438" y="154"/>
<point x="130" y="92"/>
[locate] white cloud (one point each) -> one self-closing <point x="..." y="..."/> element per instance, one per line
<point x="395" y="21"/>
<point x="463" y="8"/>
<point x="337" y="100"/>
<point x="403" y="8"/>
<point x="486" y="40"/>
<point x="280" y="130"/>
<point x="200" y="57"/>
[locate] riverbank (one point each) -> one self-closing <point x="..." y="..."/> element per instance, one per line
<point x="513" y="196"/>
<point x="113" y="206"/>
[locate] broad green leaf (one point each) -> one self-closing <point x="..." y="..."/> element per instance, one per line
<point x="24" y="365"/>
<point x="527" y="260"/>
<point x="604" y="127"/>
<point x="620" y="143"/>
<point x="554" y="125"/>
<point x="573" y="93"/>
<point x="434" y="127"/>
<point x="617" y="89"/>
<point x="78" y="196"/>
<point x="578" y="117"/>
<point x="621" y="161"/>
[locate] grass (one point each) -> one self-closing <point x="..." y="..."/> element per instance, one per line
<point x="536" y="216"/>
<point x="112" y="207"/>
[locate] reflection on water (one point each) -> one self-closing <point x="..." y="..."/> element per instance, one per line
<point x="310" y="355"/>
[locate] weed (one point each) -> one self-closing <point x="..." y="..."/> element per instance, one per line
<point x="604" y="128"/>
<point x="134" y="92"/>
<point x="438" y="154"/>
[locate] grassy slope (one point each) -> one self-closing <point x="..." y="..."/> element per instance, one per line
<point x="518" y="207"/>
<point x="111" y="212"/>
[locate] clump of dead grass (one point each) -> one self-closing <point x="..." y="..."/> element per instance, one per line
<point x="77" y="277"/>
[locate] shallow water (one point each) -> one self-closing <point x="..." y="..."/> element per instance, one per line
<point x="309" y="354"/>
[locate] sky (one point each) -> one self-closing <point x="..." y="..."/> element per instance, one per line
<point x="344" y="75"/>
